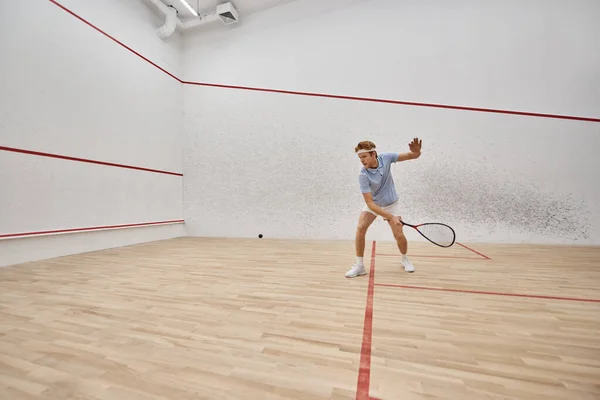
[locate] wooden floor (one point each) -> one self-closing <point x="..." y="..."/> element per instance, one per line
<point x="195" y="318"/>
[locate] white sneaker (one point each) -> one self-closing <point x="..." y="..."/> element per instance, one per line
<point x="357" y="270"/>
<point x="408" y="267"/>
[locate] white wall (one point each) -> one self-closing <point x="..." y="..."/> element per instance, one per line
<point x="68" y="89"/>
<point x="283" y="165"/>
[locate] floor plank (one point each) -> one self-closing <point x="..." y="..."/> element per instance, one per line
<point x="209" y="318"/>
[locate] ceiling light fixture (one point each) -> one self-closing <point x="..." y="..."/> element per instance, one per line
<point x="185" y="3"/>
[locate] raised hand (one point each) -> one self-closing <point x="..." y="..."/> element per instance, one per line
<point x="415" y="145"/>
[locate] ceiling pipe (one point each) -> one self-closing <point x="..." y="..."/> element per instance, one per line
<point x="172" y="22"/>
<point x="200" y="21"/>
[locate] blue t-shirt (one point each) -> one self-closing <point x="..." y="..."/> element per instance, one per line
<point x="379" y="180"/>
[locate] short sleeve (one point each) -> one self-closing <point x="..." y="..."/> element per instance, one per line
<point x="363" y="182"/>
<point x="389" y="158"/>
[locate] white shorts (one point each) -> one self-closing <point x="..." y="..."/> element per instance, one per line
<point x="393" y="209"/>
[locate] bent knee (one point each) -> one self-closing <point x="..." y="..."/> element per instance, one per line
<point x="362" y="228"/>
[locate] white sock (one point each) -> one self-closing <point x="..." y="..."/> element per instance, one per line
<point x="359" y="260"/>
<point x="404" y="257"/>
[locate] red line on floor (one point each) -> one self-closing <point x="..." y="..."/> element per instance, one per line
<point x="85" y="160"/>
<point x="419" y="255"/>
<point x="115" y="40"/>
<point x="532" y="296"/>
<point x="474" y="251"/>
<point x="364" y="372"/>
<point x="93" y="228"/>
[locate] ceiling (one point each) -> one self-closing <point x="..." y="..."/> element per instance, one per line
<point x="244" y="7"/>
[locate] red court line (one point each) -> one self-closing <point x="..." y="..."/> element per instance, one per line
<point x="419" y="255"/>
<point x="364" y="372"/>
<point x="92" y="228"/>
<point x="356" y="98"/>
<point x="115" y="40"/>
<point x="474" y="251"/>
<point x="85" y="160"/>
<point x="407" y="103"/>
<point x="532" y="296"/>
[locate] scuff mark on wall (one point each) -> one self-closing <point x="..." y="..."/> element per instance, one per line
<point x="490" y="199"/>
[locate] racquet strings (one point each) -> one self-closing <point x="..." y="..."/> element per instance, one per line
<point x="439" y="234"/>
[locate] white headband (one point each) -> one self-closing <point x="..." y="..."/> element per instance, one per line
<point x="365" y="151"/>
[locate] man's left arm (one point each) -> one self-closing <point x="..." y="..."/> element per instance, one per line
<point x="415" y="151"/>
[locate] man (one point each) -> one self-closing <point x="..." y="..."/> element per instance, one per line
<point x="377" y="187"/>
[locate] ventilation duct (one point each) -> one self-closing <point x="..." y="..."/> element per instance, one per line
<point x="226" y="13"/>
<point x="170" y="23"/>
<point x="171" y="20"/>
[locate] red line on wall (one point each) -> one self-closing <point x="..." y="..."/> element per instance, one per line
<point x="356" y="98"/>
<point x="474" y="251"/>
<point x="364" y="372"/>
<point x="85" y="160"/>
<point x="113" y="39"/>
<point x="532" y="296"/>
<point x="92" y="228"/>
<point x="408" y="103"/>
